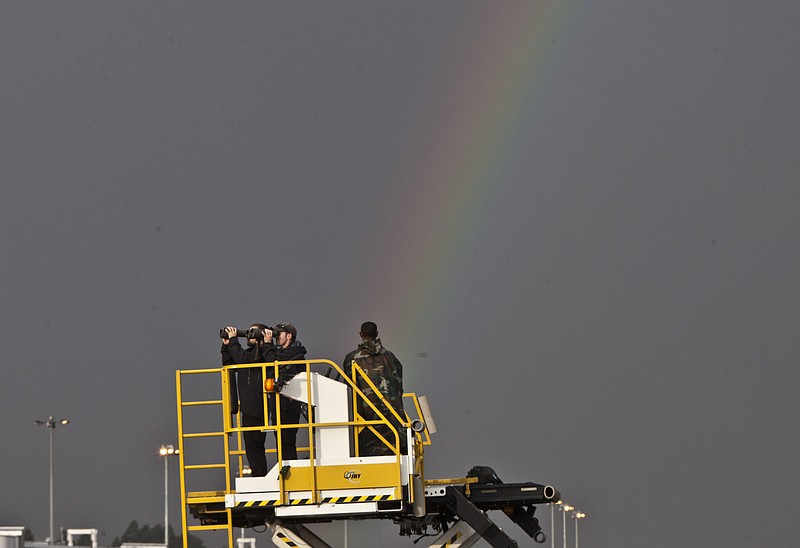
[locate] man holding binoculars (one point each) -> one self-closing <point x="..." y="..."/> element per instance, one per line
<point x="247" y="392"/>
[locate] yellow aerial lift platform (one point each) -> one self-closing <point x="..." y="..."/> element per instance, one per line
<point x="335" y="481"/>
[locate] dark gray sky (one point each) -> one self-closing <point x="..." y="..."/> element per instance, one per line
<point x="576" y="223"/>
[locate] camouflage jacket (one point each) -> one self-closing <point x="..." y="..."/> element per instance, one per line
<point x="383" y="369"/>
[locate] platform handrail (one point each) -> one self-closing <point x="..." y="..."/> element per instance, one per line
<point x="389" y="418"/>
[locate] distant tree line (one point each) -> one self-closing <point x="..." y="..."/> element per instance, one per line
<point x="154" y="534"/>
<point x="134" y="533"/>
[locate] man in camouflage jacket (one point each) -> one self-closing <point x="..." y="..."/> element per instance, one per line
<point x="386" y="373"/>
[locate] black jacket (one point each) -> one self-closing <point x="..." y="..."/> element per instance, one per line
<point x="295" y="351"/>
<point x="247" y="388"/>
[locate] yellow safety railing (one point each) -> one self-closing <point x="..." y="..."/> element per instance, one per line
<point x="206" y="496"/>
<point x="215" y="496"/>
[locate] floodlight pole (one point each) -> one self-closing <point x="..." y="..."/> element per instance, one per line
<point x="51" y="423"/>
<point x="552" y="525"/>
<point x="166" y="502"/>
<point x="576" y="516"/>
<point x="166" y="451"/>
<point x="564" y="509"/>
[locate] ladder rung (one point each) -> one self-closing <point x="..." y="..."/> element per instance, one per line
<point x="196" y="494"/>
<point x="207" y="527"/>
<point x="202" y="466"/>
<point x="204" y="435"/>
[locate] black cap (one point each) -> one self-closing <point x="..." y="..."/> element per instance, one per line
<point x="286" y="328"/>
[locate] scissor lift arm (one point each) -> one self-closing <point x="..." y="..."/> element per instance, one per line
<point x="460" y="511"/>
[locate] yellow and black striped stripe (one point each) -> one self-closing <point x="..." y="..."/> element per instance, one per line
<point x="364" y="498"/>
<point x="256" y="503"/>
<point x="451" y="540"/>
<point x="302" y="502"/>
<point x="286" y="540"/>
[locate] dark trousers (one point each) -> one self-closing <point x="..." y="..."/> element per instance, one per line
<point x="254" y="445"/>
<point x="290" y="414"/>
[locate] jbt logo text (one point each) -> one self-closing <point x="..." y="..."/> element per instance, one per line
<point x="353" y="476"/>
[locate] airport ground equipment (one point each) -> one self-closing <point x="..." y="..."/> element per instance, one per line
<point x="335" y="480"/>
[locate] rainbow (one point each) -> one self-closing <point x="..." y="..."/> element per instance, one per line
<point x="488" y="97"/>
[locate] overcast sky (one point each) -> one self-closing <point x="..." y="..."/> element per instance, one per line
<point x="575" y="223"/>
